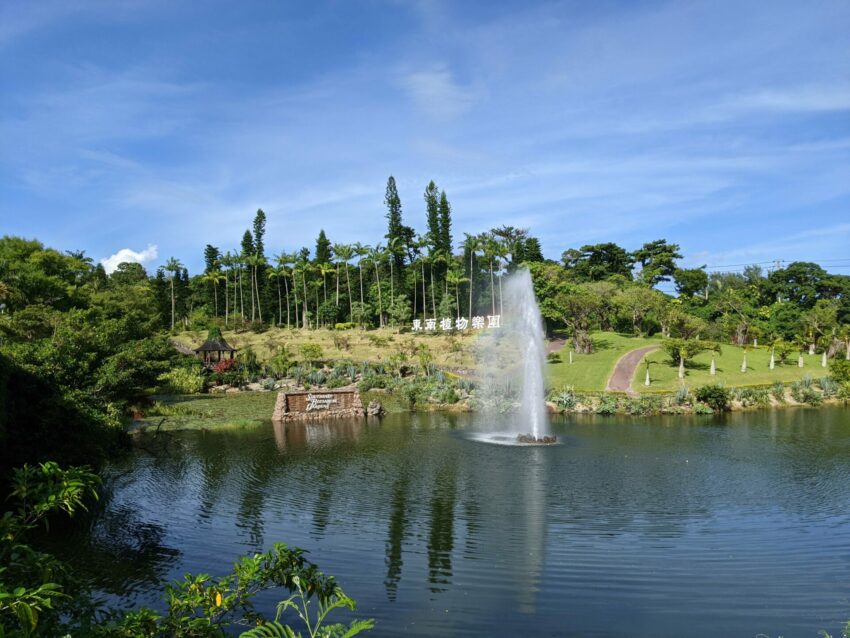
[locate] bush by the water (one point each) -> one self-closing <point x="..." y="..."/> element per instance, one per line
<point x="182" y="380"/>
<point x="715" y="396"/>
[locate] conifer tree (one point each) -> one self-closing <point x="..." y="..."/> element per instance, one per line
<point x="432" y="210"/>
<point x="324" y="254"/>
<point x="445" y="223"/>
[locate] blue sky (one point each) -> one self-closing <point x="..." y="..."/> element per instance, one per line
<point x="159" y="126"/>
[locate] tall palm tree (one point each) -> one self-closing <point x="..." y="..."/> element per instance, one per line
<point x="344" y="253"/>
<point x="422" y="242"/>
<point x="490" y="247"/>
<point x="501" y="252"/>
<point x="336" y="248"/>
<point x="375" y="255"/>
<point x="360" y="251"/>
<point x="278" y="273"/>
<point x="395" y="246"/>
<point x="471" y="244"/>
<point x="284" y="261"/>
<point x="214" y="277"/>
<point x="226" y="261"/>
<point x="454" y="276"/>
<point x="324" y="270"/>
<point x="303" y="266"/>
<point x="173" y="266"/>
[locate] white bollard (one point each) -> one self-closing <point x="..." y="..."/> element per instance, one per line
<point x="681" y="368"/>
<point x="646" y="383"/>
<point x="571" y="356"/>
<point x="713" y="370"/>
<point x="772" y="361"/>
<point x="823" y="360"/>
<point x="744" y="363"/>
<point x="800" y="361"/>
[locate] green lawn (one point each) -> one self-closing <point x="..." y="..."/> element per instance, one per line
<point x="590" y="372"/>
<point x="198" y="411"/>
<point x="664" y="374"/>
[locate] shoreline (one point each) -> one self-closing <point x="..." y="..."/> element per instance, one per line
<point x="175" y="413"/>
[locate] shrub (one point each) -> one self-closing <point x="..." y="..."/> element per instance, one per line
<point x="839" y="370"/>
<point x="607" y="404"/>
<point x="224" y="365"/>
<point x="644" y="406"/>
<point x="682" y="395"/>
<point x="803" y="391"/>
<point x="348" y="325"/>
<point x="311" y="353"/>
<point x="702" y="408"/>
<point x="371" y="381"/>
<point x="553" y="357"/>
<point x="566" y="398"/>
<point x="716" y="396"/>
<point x="342" y="342"/>
<point x="181" y="381"/>
<point x="778" y="391"/>
<point x="752" y="396"/>
<point x="829" y="386"/>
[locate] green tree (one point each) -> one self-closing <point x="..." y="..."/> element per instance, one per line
<point x="432" y="215"/>
<point x="445" y="224"/>
<point x="657" y="260"/>
<point x="595" y="262"/>
<point x="324" y="254"/>
<point x="173" y="266"/>
<point x="397" y="233"/>
<point x="691" y="281"/>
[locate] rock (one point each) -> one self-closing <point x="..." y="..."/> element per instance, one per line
<point x="375" y="409"/>
<point x="232" y="391"/>
<point x="219" y="389"/>
<point x="552" y="407"/>
<point x="530" y="439"/>
<point x="254" y="387"/>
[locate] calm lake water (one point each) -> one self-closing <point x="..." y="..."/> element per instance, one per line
<point x="701" y="526"/>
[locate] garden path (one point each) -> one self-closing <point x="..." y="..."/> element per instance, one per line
<point x="621" y="379"/>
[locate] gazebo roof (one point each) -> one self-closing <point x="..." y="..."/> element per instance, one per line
<point x="215" y="345"/>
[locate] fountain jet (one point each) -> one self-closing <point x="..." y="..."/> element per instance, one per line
<point x="511" y="362"/>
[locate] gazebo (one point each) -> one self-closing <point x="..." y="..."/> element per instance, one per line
<point x="214" y="345"/>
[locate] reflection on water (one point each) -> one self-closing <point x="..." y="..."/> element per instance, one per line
<point x="727" y="526"/>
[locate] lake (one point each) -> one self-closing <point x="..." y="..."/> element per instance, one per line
<point x="700" y="526"/>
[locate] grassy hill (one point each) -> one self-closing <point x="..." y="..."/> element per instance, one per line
<point x="358" y="345"/>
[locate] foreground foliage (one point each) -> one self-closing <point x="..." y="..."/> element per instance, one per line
<point x="40" y="597"/>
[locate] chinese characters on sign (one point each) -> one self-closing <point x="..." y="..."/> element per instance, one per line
<point x="462" y="323"/>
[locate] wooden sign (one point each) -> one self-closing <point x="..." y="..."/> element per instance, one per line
<point x="320" y="404"/>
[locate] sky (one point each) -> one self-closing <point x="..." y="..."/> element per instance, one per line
<point x="140" y="130"/>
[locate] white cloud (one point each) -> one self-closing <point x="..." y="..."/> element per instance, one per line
<point x="129" y="256"/>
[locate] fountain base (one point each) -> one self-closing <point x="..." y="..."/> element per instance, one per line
<point x="530" y="439"/>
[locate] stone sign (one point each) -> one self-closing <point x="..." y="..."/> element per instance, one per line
<point x="317" y="405"/>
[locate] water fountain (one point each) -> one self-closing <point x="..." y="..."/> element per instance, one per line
<point x="511" y="360"/>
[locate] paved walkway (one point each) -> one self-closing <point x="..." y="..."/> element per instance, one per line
<point x="624" y="370"/>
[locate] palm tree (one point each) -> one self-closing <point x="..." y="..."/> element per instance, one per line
<point x="422" y="242"/>
<point x="344" y="253"/>
<point x="395" y="246"/>
<point x="227" y="262"/>
<point x="490" y="247"/>
<point x="454" y="276"/>
<point x="324" y="270"/>
<point x="376" y="254"/>
<point x="501" y="251"/>
<point x="214" y="277"/>
<point x="360" y="251"/>
<point x="278" y="274"/>
<point x="173" y="266"/>
<point x="471" y="244"/>
<point x="302" y="266"/>
<point x="284" y="260"/>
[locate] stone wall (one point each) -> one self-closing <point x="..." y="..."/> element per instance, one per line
<point x="321" y="404"/>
